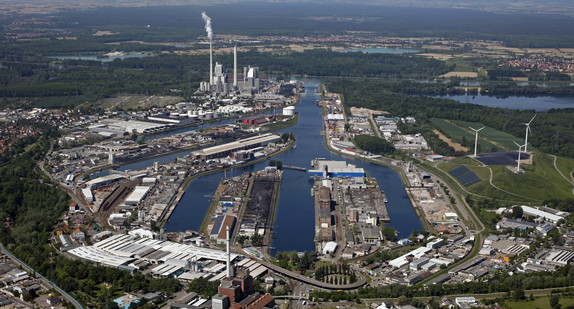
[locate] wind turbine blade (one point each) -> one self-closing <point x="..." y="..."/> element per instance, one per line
<point x="480" y="129"/>
<point x="516" y="144"/>
<point x="529" y="130"/>
<point x="532" y="119"/>
<point x="471" y="128"/>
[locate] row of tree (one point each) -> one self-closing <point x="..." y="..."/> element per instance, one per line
<point x="502" y="282"/>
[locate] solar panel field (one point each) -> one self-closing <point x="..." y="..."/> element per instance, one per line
<point x="540" y="180"/>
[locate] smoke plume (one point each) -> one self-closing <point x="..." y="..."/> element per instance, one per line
<point x="208" y="29"/>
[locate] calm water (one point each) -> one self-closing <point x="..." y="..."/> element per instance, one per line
<point x="514" y="102"/>
<point x="99" y="58"/>
<point x="380" y="50"/>
<point x="294" y="225"/>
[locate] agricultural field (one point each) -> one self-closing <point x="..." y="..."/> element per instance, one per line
<point x="461" y="133"/>
<point x="494" y="136"/>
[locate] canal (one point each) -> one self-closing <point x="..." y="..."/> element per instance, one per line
<point x="294" y="225"/>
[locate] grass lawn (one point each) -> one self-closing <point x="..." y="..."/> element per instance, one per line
<point x="465" y="161"/>
<point x="539" y="182"/>
<point x="566" y="166"/>
<point x="538" y="302"/>
<point x="291" y="121"/>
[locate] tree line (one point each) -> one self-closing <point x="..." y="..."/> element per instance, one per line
<point x="554" y="133"/>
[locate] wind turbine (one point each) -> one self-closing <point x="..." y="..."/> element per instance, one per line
<point x="527" y="129"/>
<point x="519" y="148"/>
<point x="475" y="138"/>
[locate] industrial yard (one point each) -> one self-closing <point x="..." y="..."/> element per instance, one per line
<point x="349" y="207"/>
<point x="246" y="205"/>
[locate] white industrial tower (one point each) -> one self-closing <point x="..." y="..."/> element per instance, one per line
<point x="235" y="67"/>
<point x="475" y="138"/>
<point x="519" y="149"/>
<point x="527" y="129"/>
<point x="210" y="63"/>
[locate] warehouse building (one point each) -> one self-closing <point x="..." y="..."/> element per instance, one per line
<point x="137" y="196"/>
<point x="103" y="181"/>
<point x="326" y="168"/>
<point x="220" y="151"/>
<point x="531" y="211"/>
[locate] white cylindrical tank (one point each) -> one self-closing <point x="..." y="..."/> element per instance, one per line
<point x="289" y="111"/>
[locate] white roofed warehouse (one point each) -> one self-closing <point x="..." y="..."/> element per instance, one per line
<point x="220" y="151"/>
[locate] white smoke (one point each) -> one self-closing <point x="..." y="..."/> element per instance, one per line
<point x="207" y="21"/>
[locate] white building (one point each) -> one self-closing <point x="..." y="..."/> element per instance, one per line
<point x="329" y="248"/>
<point x="531" y="211"/>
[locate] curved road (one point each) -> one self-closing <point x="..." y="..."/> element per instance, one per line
<point x="362" y="281"/>
<point x="560" y="172"/>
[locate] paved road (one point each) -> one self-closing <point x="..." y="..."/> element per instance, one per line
<point x="362" y="281"/>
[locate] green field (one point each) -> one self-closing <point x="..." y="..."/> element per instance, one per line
<point x="458" y="133"/>
<point x="462" y="64"/>
<point x="540" y="181"/>
<point x="495" y="136"/>
<point x="538" y="302"/>
<point x="465" y="161"/>
<point x="566" y="166"/>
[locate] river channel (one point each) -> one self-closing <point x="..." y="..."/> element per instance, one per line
<point x="294" y="225"/>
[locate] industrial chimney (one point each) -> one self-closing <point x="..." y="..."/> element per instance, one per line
<point x="228" y="254"/>
<point x="210" y="63"/>
<point x="235" y="67"/>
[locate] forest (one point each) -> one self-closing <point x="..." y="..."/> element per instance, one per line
<point x="32" y="206"/>
<point x="75" y="81"/>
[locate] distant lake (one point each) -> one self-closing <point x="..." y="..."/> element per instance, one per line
<point x="515" y="102"/>
<point x="380" y="50"/>
<point x="99" y="58"/>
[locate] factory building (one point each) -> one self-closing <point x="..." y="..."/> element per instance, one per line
<point x="114" y="127"/>
<point x="534" y="212"/>
<point x="103" y="181"/>
<point x="326" y="168"/>
<point x="87" y="192"/>
<point x="219" y="229"/>
<point x="259" y="120"/>
<point x="138" y="195"/>
<point x="220" y="151"/>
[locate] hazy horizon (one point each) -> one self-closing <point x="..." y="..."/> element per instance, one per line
<point x="552" y="7"/>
